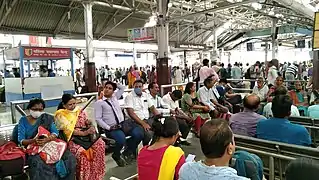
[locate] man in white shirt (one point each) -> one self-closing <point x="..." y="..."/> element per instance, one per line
<point x="281" y="90"/>
<point x="261" y="89"/>
<point x="209" y="97"/>
<point x="153" y="89"/>
<point x="137" y="105"/>
<point x="170" y="101"/>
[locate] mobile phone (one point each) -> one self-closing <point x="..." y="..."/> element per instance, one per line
<point x="41" y="137"/>
<point x="190" y="158"/>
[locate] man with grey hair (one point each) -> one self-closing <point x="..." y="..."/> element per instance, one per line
<point x="261" y="89"/>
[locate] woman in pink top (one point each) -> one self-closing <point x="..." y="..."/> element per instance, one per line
<point x="161" y="161"/>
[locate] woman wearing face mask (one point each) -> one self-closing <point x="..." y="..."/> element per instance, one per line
<point x="161" y="161"/>
<point x="75" y="126"/>
<point x="29" y="134"/>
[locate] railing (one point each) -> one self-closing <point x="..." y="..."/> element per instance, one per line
<point x="14" y="105"/>
<point x="229" y="80"/>
<point x="272" y="156"/>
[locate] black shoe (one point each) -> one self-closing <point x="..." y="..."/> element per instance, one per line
<point x="185" y="143"/>
<point x="119" y="160"/>
<point x="129" y="157"/>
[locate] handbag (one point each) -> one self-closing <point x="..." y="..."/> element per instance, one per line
<point x="86" y="141"/>
<point x="126" y="126"/>
<point x="12" y="159"/>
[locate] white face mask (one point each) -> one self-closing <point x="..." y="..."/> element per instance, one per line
<point x="35" y="114"/>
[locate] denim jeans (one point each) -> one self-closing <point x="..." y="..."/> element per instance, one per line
<point x="137" y="135"/>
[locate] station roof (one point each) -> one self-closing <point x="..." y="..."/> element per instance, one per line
<point x="191" y="21"/>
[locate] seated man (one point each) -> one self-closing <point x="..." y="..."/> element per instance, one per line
<point x="282" y="90"/>
<point x="109" y="117"/>
<point x="170" y="101"/>
<point x="299" y="98"/>
<point x="261" y="89"/>
<point x="279" y="127"/>
<point x="245" y="123"/>
<point x="153" y="89"/>
<point x="208" y="97"/>
<point x="313" y="111"/>
<point x="218" y="146"/>
<point x="227" y="97"/>
<point x="138" y="105"/>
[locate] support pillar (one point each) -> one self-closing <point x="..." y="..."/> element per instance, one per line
<point x="134" y="54"/>
<point x="89" y="66"/>
<point x="315" y="75"/>
<point x="266" y="52"/>
<point x="274" y="38"/>
<point x="162" y="42"/>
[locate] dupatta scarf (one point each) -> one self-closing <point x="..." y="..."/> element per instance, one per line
<point x="65" y="120"/>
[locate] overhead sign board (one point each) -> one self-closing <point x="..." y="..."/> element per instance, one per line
<point x="141" y="34"/>
<point x="191" y="46"/>
<point x="46" y="53"/>
<point x="315" y="40"/>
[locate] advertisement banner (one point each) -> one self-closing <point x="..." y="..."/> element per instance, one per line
<point x="46" y="53"/>
<point x="141" y="34"/>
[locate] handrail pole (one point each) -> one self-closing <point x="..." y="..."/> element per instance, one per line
<point x="13" y="113"/>
<point x="88" y="102"/>
<point x="271" y="168"/>
<point x="20" y="110"/>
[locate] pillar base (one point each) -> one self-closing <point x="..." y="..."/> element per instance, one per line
<point x="163" y="73"/>
<point x="90" y="76"/>
<point x="315" y="75"/>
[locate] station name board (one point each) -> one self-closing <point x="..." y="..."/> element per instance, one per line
<point x="48" y="53"/>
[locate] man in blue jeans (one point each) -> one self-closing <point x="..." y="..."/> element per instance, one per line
<point x="109" y="117"/>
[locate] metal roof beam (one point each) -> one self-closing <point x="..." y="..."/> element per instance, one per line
<point x="106" y="24"/>
<point x="60" y="23"/>
<point x="4" y="17"/>
<point x="213" y="10"/>
<point x="115" y="26"/>
<point x="2" y="7"/>
<point x="297" y="7"/>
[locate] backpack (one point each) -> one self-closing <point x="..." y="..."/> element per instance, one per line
<point x="248" y="165"/>
<point x="12" y="159"/>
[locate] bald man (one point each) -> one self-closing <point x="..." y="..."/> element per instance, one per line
<point x="245" y="123"/>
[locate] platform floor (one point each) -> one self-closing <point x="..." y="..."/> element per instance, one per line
<point x="112" y="170"/>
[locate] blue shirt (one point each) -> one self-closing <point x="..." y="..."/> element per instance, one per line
<point x="26" y="130"/>
<point x="200" y="171"/>
<point x="313" y="111"/>
<point x="281" y="130"/>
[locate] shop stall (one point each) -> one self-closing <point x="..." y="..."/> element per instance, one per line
<point x="43" y="85"/>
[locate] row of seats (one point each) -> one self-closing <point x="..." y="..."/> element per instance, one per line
<point x="275" y="155"/>
<point x="312" y="125"/>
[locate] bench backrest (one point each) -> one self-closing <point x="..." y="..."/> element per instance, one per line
<point x="281" y="153"/>
<point x="6" y="133"/>
<point x="312" y="126"/>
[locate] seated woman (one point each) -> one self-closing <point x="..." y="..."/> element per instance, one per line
<point x="279" y="82"/>
<point x="27" y="134"/>
<point x="74" y="123"/>
<point x="191" y="106"/>
<point x="313" y="110"/>
<point x="299" y="98"/>
<point x="161" y="161"/>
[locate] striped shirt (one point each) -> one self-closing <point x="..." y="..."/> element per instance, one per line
<point x="292" y="69"/>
